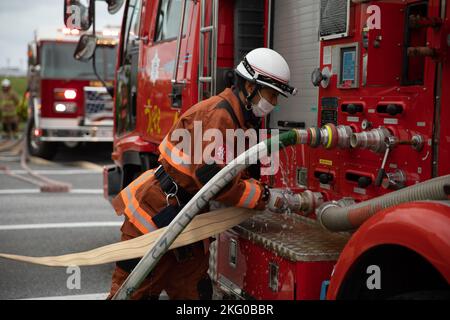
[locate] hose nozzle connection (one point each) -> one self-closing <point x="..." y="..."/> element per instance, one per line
<point x="306" y="201"/>
<point x="374" y="139"/>
<point x="329" y="136"/>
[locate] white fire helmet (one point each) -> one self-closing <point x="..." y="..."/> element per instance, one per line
<point x="268" y="68"/>
<point x="6" y="83"/>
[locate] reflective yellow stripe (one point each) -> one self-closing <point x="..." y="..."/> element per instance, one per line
<point x="178" y="159"/>
<point x="8" y="107"/>
<point x="137" y="216"/>
<point x="133" y="188"/>
<point x="250" y="197"/>
<point x="6" y="102"/>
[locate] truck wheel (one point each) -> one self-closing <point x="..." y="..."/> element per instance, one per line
<point x="42" y="149"/>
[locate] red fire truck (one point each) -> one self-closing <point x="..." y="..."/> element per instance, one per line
<point x="372" y="74"/>
<point x="67" y="103"/>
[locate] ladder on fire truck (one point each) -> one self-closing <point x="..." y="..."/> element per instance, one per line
<point x="205" y="79"/>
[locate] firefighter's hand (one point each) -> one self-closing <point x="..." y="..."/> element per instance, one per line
<point x="278" y="201"/>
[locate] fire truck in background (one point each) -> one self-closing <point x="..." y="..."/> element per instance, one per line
<point x="67" y="103"/>
<point x="372" y="107"/>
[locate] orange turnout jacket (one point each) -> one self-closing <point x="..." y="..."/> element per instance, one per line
<point x="143" y="198"/>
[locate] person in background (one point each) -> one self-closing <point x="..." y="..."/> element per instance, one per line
<point x="9" y="101"/>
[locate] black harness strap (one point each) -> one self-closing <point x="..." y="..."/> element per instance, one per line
<point x="169" y="186"/>
<point x="224" y="104"/>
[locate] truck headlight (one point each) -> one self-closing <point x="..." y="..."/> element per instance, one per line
<point x="65" y="107"/>
<point x="70" y="94"/>
<point x="65" y="94"/>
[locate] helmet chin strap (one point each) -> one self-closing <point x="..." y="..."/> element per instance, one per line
<point x="249" y="96"/>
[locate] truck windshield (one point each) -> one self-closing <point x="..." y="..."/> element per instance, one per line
<point x="57" y="62"/>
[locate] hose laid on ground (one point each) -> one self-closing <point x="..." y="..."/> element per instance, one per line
<point x="8" y="153"/>
<point x="201" y="227"/>
<point x="45" y="184"/>
<point x="8" y="172"/>
<point x="201" y="198"/>
<point x="49" y="185"/>
<point x="7" y="145"/>
<point x="10" y="150"/>
<point x="335" y="217"/>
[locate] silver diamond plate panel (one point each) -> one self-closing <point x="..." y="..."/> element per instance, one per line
<point x="293" y="238"/>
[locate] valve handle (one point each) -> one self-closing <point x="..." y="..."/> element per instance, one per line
<point x="316" y="77"/>
<point x="381" y="171"/>
<point x="380" y="176"/>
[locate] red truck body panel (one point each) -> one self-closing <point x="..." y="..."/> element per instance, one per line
<point x="380" y="80"/>
<point x="424" y="231"/>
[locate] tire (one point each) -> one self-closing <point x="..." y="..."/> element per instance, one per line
<point x="42" y="149"/>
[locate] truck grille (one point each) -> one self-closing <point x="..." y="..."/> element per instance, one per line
<point x="334" y="18"/>
<point x="98" y="105"/>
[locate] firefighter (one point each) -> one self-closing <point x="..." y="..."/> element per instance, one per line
<point x="153" y="199"/>
<point x="9" y="101"/>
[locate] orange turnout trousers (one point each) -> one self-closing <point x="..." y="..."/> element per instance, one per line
<point x="185" y="280"/>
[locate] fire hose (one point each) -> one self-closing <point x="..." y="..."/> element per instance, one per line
<point x="8" y="154"/>
<point x="340" y="216"/>
<point x="7" y="146"/>
<point x="45" y="184"/>
<point x="201" y="227"/>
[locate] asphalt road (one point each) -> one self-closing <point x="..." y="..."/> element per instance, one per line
<point x="27" y="219"/>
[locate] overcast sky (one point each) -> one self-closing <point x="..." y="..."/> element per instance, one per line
<point x="19" y="19"/>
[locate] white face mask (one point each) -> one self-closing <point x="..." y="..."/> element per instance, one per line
<point x="262" y="108"/>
